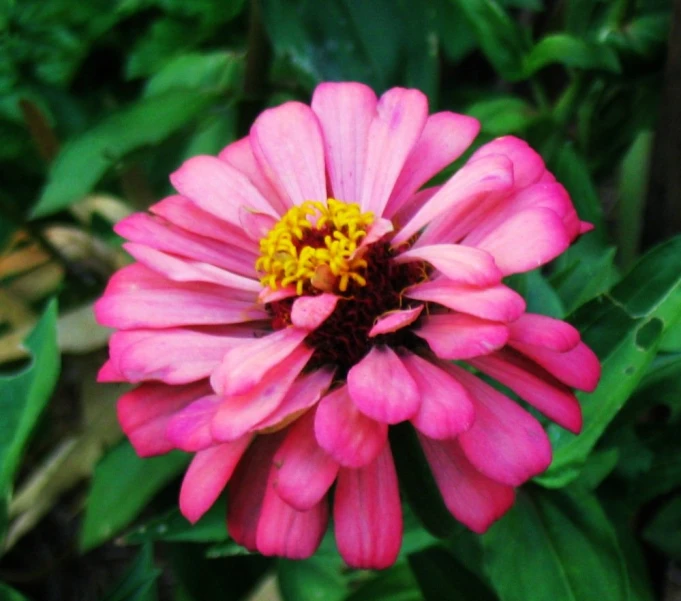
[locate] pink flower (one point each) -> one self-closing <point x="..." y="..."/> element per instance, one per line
<point x="304" y="291"/>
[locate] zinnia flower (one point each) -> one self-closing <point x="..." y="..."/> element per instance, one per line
<point x="304" y="291"/>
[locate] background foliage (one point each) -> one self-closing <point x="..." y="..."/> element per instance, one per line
<point x="100" y="100"/>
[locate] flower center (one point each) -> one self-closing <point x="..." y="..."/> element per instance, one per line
<point x="314" y="246"/>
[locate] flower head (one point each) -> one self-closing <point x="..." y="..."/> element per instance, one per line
<point x="307" y="289"/>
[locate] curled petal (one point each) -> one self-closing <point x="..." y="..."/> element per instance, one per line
<point x="309" y="312"/>
<point x="395" y="320"/>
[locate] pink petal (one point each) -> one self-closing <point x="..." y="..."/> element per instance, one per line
<point x="460" y="336"/>
<point x="528" y="166"/>
<point x="287" y="143"/>
<point x="286" y="532"/>
<point x="444" y="138"/>
<point x="218" y="188"/>
<point x="247" y="489"/>
<point x="255" y="225"/>
<point x="446" y="408"/>
<point x="349" y="436"/>
<point x="578" y="367"/>
<point x="534" y="385"/>
<point x="367" y="514"/>
<point x="472" y="497"/>
<point x="109" y="373"/>
<point x="207" y="476"/>
<point x="239" y="414"/>
<point x="345" y="112"/>
<point x="550" y="333"/>
<point x="305" y="472"/>
<point x="183" y="270"/>
<point x="461" y="264"/>
<point x="585" y="226"/>
<point x="144" y="413"/>
<point x="239" y="154"/>
<point x="498" y="303"/>
<point x="244" y="366"/>
<point x="400" y="118"/>
<point x="309" y="312"/>
<point x="382" y="388"/>
<point x="169" y="238"/>
<point x="526" y="241"/>
<point x="303" y="394"/>
<point x="138" y="298"/>
<point x="185" y="215"/>
<point x="505" y="442"/>
<point x="189" y="428"/>
<point x="379" y="228"/>
<point x="175" y="355"/>
<point x="395" y="320"/>
<point x="267" y="295"/>
<point x="469" y="186"/>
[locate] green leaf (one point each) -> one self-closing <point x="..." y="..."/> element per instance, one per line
<point x="9" y="594"/>
<point x="84" y="160"/>
<point x="215" y="72"/>
<point x="570" y="51"/>
<point x="395" y="584"/>
<point x="138" y="582"/>
<point x="501" y="116"/>
<point x="173" y="526"/>
<point x="314" y="579"/>
<point x="500" y="38"/>
<point x="440" y="576"/>
<point x="121" y="486"/>
<point x="625" y="329"/>
<point x="24" y="397"/>
<point x="381" y="43"/>
<point x="664" y="531"/>
<point x="418" y="484"/>
<point x="552" y="545"/>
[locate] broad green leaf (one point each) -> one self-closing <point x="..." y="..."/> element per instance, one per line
<point x="314" y="579"/>
<point x="632" y="191"/>
<point x="138" y="584"/>
<point x="173" y="526"/>
<point x="215" y="72"/>
<point x="499" y="36"/>
<point x="538" y="293"/>
<point x="382" y="43"/>
<point x="441" y="576"/>
<point x="418" y="484"/>
<point x="570" y="51"/>
<point x="121" y="486"/>
<point x="645" y="35"/>
<point x="394" y="584"/>
<point x="9" y="594"/>
<point x="599" y="466"/>
<point x="84" y="160"/>
<point x="552" y="545"/>
<point x="454" y="34"/>
<point x="625" y="329"/>
<point x="664" y="530"/>
<point x="501" y="116"/>
<point x="24" y="397"/>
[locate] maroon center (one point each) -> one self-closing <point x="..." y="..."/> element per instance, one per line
<point x="343" y="339"/>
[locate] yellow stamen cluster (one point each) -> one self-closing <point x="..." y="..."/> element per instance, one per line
<point x="315" y="243"/>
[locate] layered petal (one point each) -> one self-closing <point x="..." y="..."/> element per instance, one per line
<point x="144" y="413"/>
<point x="498" y="303"/>
<point x="345" y="433"/>
<point x="532" y="384"/>
<point x="505" y="442"/>
<point x="309" y="312"/>
<point x="288" y="146"/>
<point x="528" y="166"/>
<point x="367" y="514"/>
<point x="305" y="472"/>
<point x="443" y="139"/>
<point x="382" y="388"/>
<point x="541" y="330"/>
<point x="459" y="336"/>
<point x="207" y="475"/>
<point x="446" y="408"/>
<point x="241" y="413"/>
<point x="189" y="429"/>
<point x="395" y="320"/>
<point x="472" y="497"/>
<point x="397" y="125"/>
<point x="345" y="112"/>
